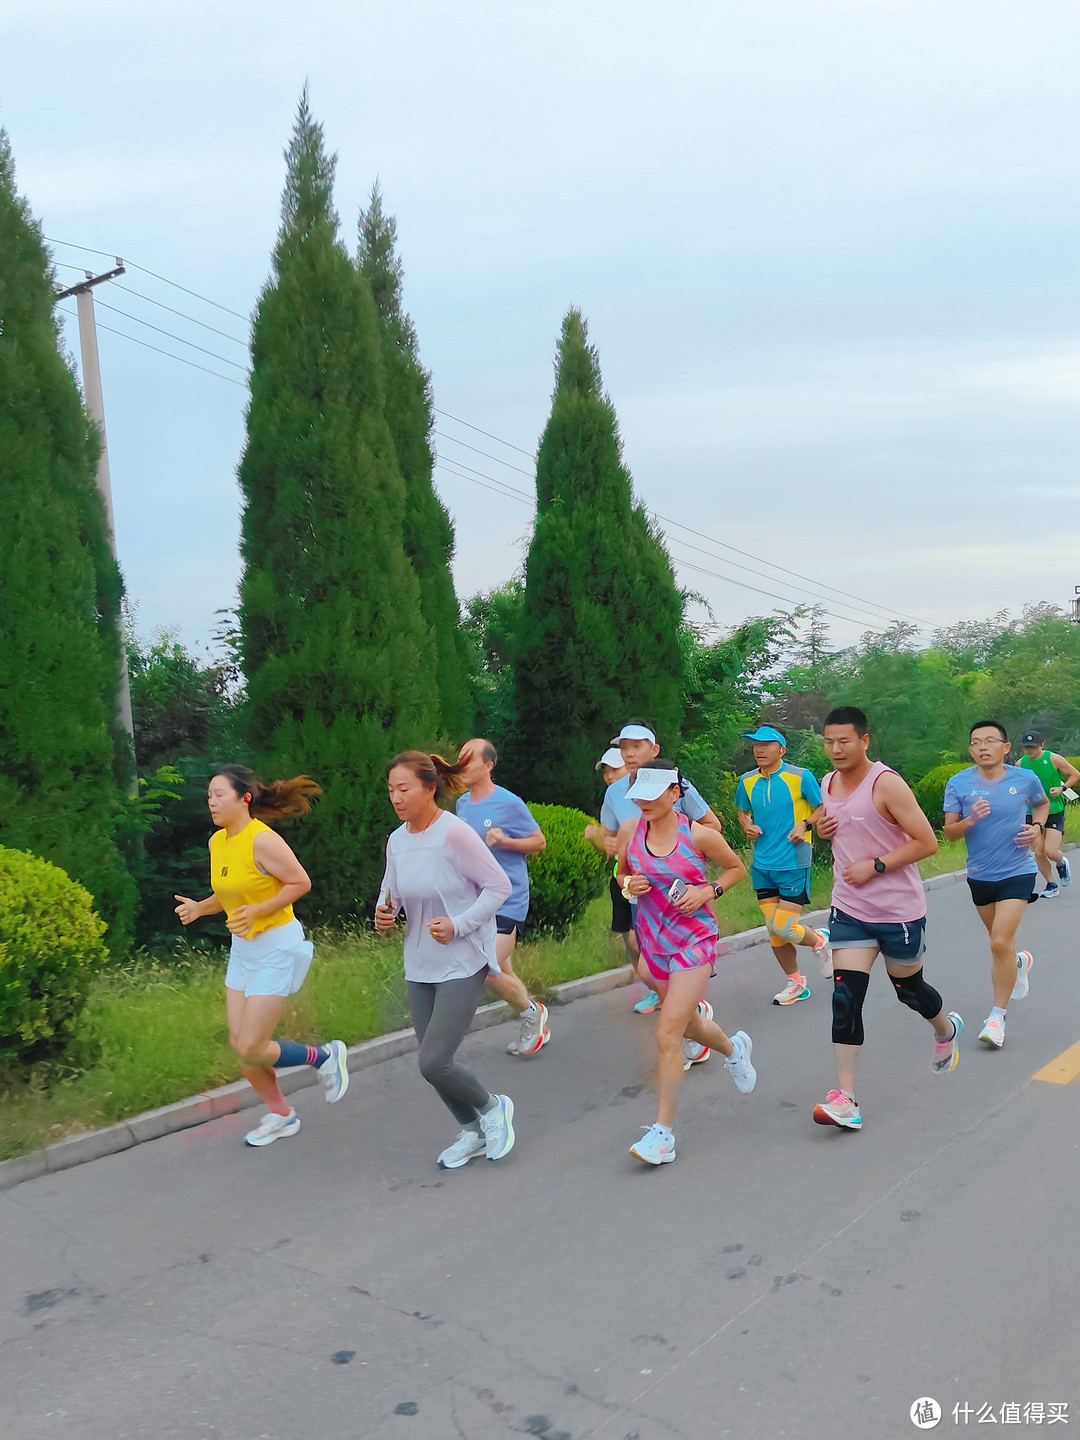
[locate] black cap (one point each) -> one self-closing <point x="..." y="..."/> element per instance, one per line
<point x="1031" y="738"/>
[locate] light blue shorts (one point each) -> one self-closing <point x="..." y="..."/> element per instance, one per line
<point x="274" y="963"/>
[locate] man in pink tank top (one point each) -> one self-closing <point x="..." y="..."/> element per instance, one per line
<point x="878" y="836"/>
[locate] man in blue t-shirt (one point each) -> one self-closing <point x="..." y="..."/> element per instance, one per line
<point x="987" y="807"/>
<point x="637" y="744"/>
<point x="777" y="804"/>
<point x="505" y="824"/>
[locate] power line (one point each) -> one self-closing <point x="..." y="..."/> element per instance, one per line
<point x="784" y="600"/>
<point x="165" y="281"/>
<point x="179" y="338"/>
<point x="146" y="346"/>
<point x="821" y="584"/>
<point x="487" y="455"/>
<point x="506" y="494"/>
<point x="488" y="433"/>
<point x="161" y="306"/>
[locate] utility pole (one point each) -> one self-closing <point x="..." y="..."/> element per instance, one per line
<point x="1076" y="604"/>
<point x="95" y="403"/>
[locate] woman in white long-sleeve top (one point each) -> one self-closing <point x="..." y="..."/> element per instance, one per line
<point x="450" y="887"/>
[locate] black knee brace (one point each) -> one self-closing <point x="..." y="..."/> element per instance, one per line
<point x="849" y="992"/>
<point x="917" y="994"/>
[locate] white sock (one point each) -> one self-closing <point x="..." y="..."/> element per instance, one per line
<point x="997" y="1013"/>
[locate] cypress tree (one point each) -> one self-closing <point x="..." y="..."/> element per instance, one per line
<point x="600" y="632"/>
<point x="339" y="660"/>
<point x="60" y="591"/>
<point x="429" y="535"/>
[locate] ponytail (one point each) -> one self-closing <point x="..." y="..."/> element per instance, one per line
<point x="433" y="771"/>
<point x="278" y="800"/>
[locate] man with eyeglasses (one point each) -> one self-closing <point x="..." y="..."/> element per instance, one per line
<point x="999" y="811"/>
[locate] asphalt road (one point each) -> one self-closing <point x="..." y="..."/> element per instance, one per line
<point x="780" y="1279"/>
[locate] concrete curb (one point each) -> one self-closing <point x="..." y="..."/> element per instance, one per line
<point x="228" y="1099"/>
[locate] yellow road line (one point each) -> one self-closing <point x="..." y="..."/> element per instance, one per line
<point x="1064" y="1068"/>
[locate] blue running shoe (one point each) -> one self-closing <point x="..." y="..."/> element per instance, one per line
<point x="656" y="1146"/>
<point x="649" y="1002"/>
<point x="498" y="1128"/>
<point x="1064" y="873"/>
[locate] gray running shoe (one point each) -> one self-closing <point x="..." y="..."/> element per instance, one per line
<point x="498" y="1127"/>
<point x="1064" y="873"/>
<point x="738" y="1063"/>
<point x="534" y="1034"/>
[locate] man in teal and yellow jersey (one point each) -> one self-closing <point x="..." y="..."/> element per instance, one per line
<point x="1057" y="775"/>
<point x="777" y="804"/>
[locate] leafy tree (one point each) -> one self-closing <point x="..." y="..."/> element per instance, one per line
<point x="340" y="662"/>
<point x="492" y="624"/>
<point x="60" y="592"/>
<point x="429" y="535"/>
<point x="600" y="630"/>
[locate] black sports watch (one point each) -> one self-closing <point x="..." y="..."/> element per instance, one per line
<point x="718" y="890"/>
<point x="879" y="866"/>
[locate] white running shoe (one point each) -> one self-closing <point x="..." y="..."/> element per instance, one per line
<point x="273" y="1127"/>
<point x="692" y="1052"/>
<point x="498" y="1127"/>
<point x="334" y="1071"/>
<point x="1024" y="961"/>
<point x="1064" y="872"/>
<point x="993" y="1032"/>
<point x="738" y="1063"/>
<point x="656" y="1146"/>
<point x="466" y="1147"/>
<point x="792" y="993"/>
<point x="824" y="953"/>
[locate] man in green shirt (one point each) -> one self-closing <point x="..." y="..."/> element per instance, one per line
<point x="1056" y="774"/>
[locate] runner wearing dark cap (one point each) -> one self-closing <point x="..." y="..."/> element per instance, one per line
<point x="1057" y="774"/>
<point x="777" y="805"/>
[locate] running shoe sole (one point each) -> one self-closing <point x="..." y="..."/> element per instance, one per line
<point x="257" y="1141"/>
<point x="340" y="1056"/>
<point x="822" y="1117"/>
<point x="955" y="1059"/>
<point x="1020" y="989"/>
<point x="794" y="999"/>
<point x="988" y="1040"/>
<point x="508" y="1114"/>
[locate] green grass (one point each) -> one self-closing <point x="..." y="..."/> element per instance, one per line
<point x="153" y="1031"/>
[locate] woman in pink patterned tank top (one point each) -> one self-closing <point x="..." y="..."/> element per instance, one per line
<point x="663" y="865"/>
<point x="878" y="836"/>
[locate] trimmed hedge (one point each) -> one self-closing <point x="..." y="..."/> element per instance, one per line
<point x="568" y="874"/>
<point x="930" y="790"/>
<point x="50" y="948"/>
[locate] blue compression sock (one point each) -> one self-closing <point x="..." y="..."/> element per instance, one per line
<point x="293" y="1053"/>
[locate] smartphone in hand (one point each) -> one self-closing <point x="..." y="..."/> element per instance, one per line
<point x="677" y="889"/>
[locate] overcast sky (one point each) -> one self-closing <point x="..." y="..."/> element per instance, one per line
<point x="827" y="252"/>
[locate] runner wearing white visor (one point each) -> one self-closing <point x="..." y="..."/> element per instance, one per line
<point x="637" y="745"/>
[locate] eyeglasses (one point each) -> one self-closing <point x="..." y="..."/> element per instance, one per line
<point x="989" y="740"/>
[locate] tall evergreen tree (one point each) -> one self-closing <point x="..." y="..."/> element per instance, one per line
<point x="340" y="662"/>
<point x="600" y="633"/>
<point x="429" y="535"/>
<point x="60" y="590"/>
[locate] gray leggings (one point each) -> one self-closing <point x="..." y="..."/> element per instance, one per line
<point x="441" y="1016"/>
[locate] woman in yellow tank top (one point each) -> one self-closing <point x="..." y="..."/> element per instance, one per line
<point x="255" y="877"/>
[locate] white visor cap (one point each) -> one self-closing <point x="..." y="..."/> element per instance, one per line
<point x="635" y="732"/>
<point x="611" y="758"/>
<point x="651" y="784"/>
